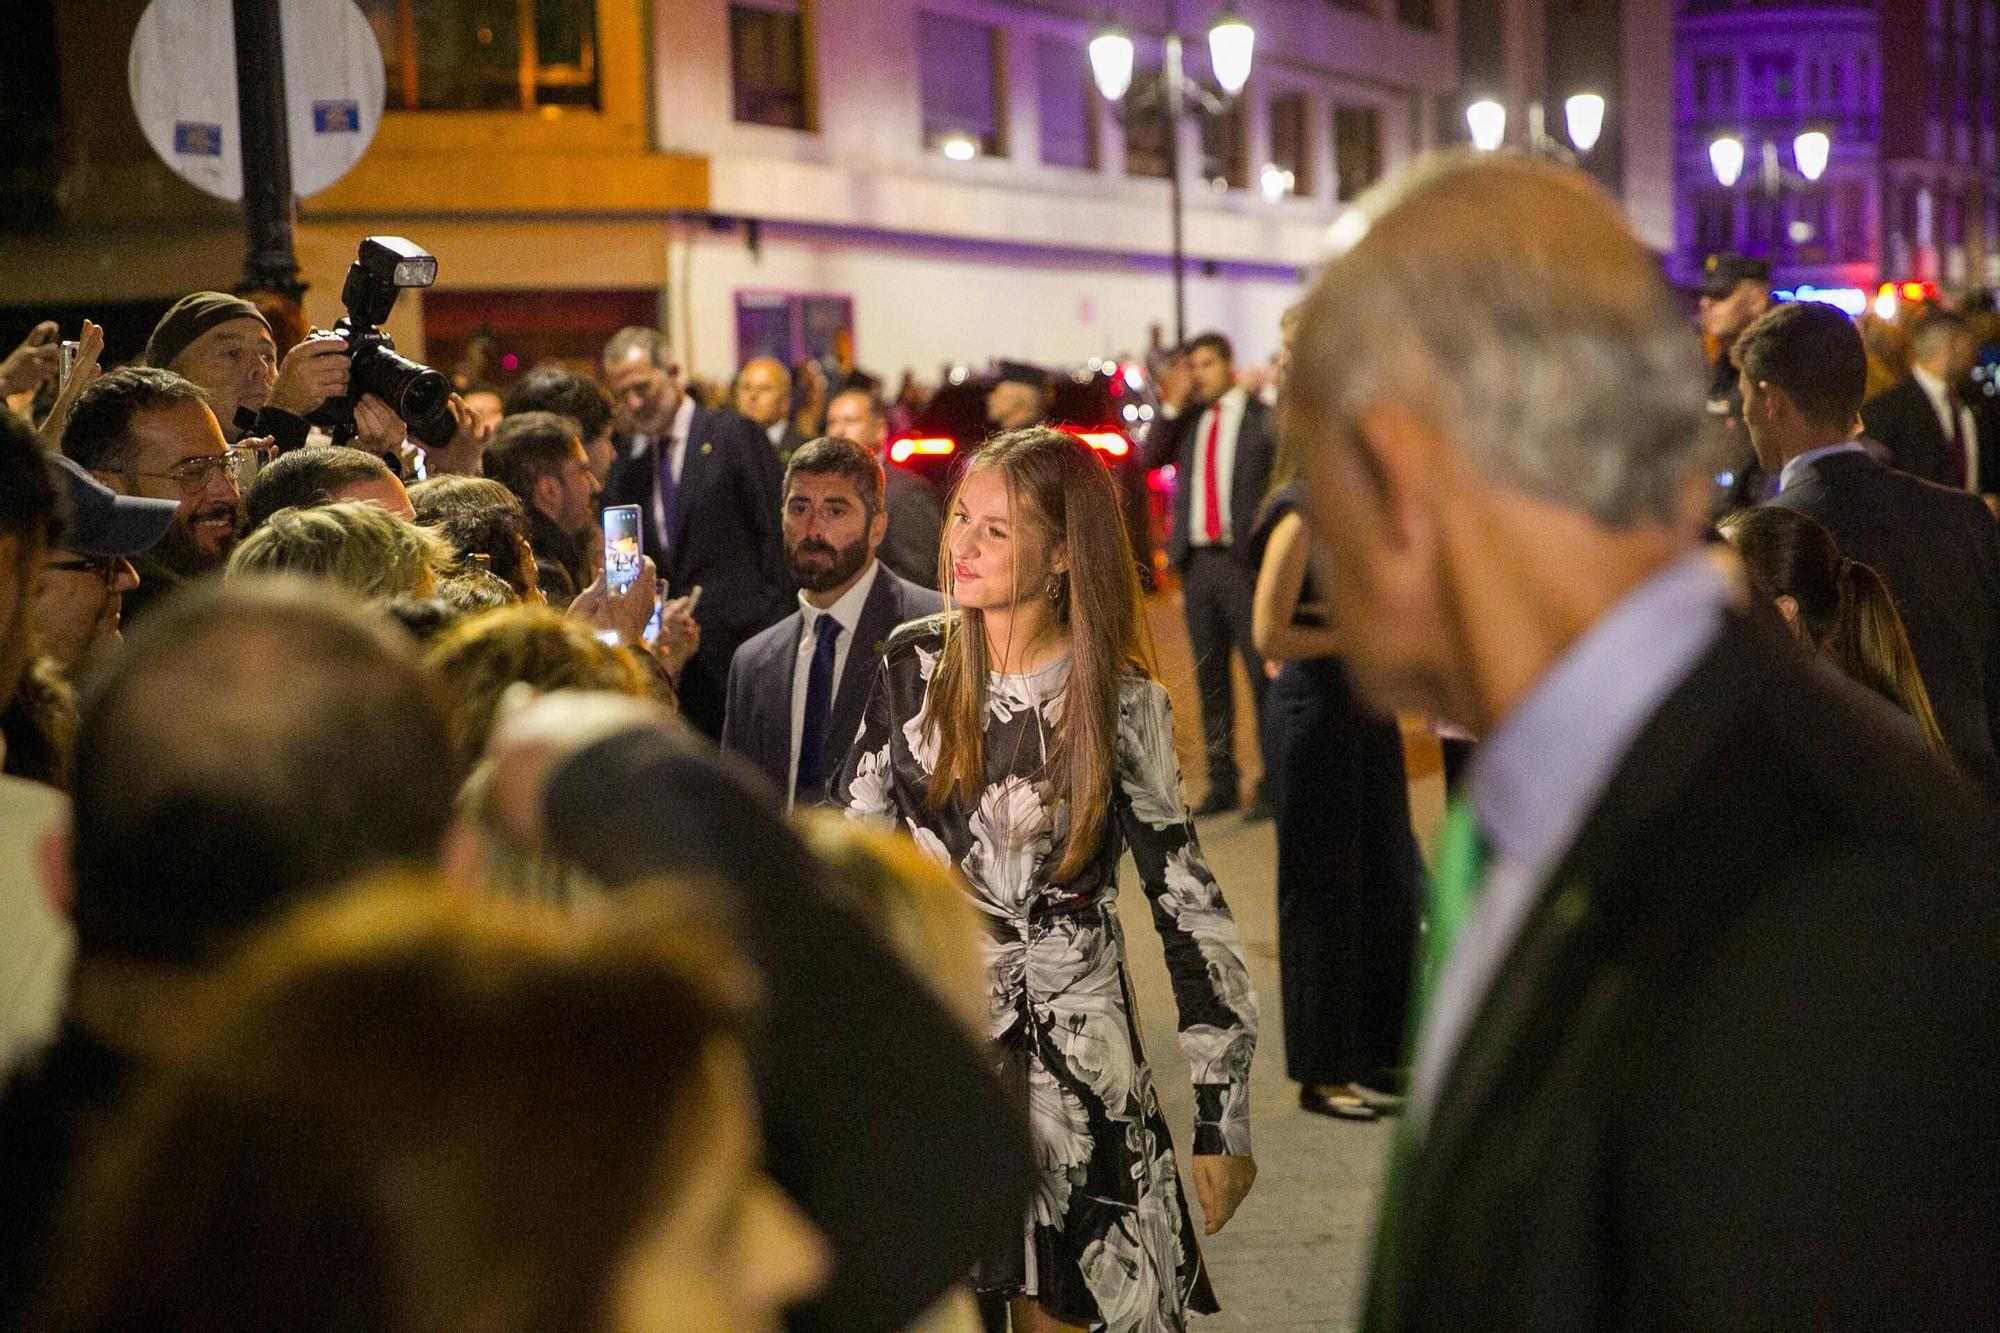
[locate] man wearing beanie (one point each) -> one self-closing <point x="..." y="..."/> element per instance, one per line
<point x="223" y="344"/>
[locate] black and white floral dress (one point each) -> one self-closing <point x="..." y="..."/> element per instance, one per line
<point x="1108" y="1241"/>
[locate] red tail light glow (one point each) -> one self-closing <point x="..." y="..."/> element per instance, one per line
<point x="934" y="446"/>
<point x="1107" y="442"/>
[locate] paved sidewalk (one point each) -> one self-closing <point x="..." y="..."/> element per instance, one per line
<point x="1291" y="1259"/>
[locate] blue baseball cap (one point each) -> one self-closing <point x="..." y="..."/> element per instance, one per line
<point x="98" y="521"/>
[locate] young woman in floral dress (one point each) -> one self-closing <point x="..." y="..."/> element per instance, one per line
<point x="1019" y="739"/>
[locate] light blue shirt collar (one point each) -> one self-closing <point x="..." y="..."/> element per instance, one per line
<point x="1543" y="770"/>
<point x="1805" y="460"/>
<point x="1539" y="774"/>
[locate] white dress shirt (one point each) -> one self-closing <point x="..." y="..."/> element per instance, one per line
<point x="1967" y="433"/>
<point x="1231" y="406"/>
<point x="848" y="612"/>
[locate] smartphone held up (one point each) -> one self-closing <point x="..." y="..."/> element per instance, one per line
<point x="622" y="558"/>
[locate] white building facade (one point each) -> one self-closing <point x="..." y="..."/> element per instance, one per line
<point x="1044" y="234"/>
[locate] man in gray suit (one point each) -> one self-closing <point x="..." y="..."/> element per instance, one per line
<point x="796" y="690"/>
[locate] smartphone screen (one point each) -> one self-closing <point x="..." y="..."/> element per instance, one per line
<point x="621" y="547"/>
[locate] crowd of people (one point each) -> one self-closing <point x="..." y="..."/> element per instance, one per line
<point x="411" y="918"/>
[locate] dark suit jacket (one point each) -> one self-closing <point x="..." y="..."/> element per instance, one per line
<point x="1938" y="549"/>
<point x="1177" y="442"/>
<point x="788" y="441"/>
<point x="881" y="1114"/>
<point x="916" y="523"/>
<point x="726" y="538"/>
<point x="1739" y="1070"/>
<point x="1902" y="420"/>
<point x="758" y="724"/>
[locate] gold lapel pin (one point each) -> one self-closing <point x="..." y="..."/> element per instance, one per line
<point x="707" y="448"/>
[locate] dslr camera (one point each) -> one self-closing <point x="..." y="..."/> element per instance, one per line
<point x="419" y="395"/>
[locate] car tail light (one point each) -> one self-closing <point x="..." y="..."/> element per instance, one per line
<point x="1110" y="443"/>
<point x="934" y="446"/>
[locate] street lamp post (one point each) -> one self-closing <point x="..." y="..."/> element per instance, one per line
<point x="1583" y="114"/>
<point x="1231" y="42"/>
<point x="1811" y="151"/>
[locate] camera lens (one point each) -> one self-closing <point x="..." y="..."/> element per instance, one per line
<point x="418" y="394"/>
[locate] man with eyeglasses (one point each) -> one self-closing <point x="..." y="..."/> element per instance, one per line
<point x="147" y="432"/>
<point x="86" y="576"/>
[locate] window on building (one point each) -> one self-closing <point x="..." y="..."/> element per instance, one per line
<point x="1291" y="146"/>
<point x="1837" y="82"/>
<point x="1854" y="245"/>
<point x="1813" y="85"/>
<point x="1417" y="14"/>
<point x="1773" y="80"/>
<point x="486" y="55"/>
<point x="1810" y="226"/>
<point x="1762" y="231"/>
<point x="959" y="81"/>
<point x="794" y="327"/>
<point x="1714" y="222"/>
<point x="1715" y="83"/>
<point x="1064" y="103"/>
<point x="1225" y="146"/>
<point x="1148" y="131"/>
<point x="767" y="66"/>
<point x="1357" y="149"/>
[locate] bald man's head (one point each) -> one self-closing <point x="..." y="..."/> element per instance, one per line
<point x="764" y="391"/>
<point x="258" y="741"/>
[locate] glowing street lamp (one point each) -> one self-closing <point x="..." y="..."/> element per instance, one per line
<point x="1487" y="120"/>
<point x="1725" y="154"/>
<point x="1111" y="62"/>
<point x="1585" y="113"/>
<point x="1230" y="43"/>
<point x="1811" y="150"/>
<point x="959" y="148"/>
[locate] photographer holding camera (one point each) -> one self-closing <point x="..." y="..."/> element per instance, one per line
<point x="223" y="344"/>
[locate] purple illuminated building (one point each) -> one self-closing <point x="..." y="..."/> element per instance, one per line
<point x="1906" y="90"/>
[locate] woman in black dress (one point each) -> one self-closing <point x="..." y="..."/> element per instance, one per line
<point x="1349" y="873"/>
<point x="1019" y="740"/>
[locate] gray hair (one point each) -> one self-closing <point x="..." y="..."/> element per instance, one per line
<point x="1558" y="362"/>
<point x="633" y="338"/>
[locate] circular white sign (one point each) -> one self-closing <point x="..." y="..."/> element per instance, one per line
<point x="183" y="79"/>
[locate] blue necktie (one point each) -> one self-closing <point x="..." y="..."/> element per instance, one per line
<point x="810" y="785"/>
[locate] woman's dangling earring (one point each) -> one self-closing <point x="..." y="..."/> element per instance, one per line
<point x="1056" y="590"/>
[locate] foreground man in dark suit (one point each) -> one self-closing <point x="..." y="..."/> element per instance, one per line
<point x="1713" y="1040"/>
<point x="797" y="689"/>
<point x="707" y="486"/>
<point x="1804" y="371"/>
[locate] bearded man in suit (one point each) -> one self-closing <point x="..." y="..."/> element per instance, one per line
<point x="796" y="690"/>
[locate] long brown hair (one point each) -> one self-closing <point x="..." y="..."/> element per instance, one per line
<point x="1057" y="489"/>
<point x="1845" y="609"/>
